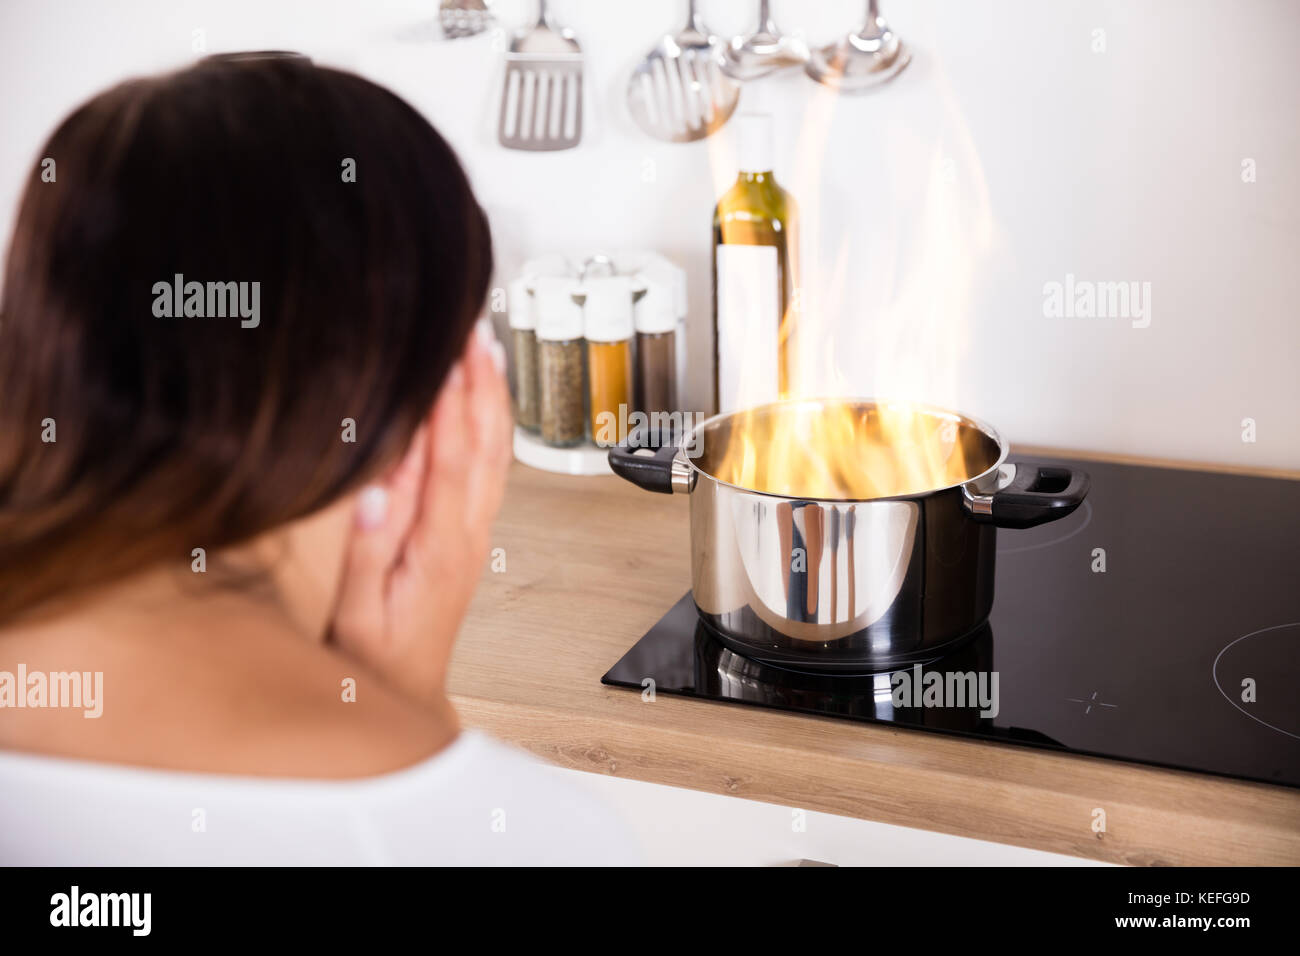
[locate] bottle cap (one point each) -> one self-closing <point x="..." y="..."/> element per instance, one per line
<point x="559" y="318"/>
<point x="520" y="303"/>
<point x="607" y="312"/>
<point x="755" y="150"/>
<point x="655" y="311"/>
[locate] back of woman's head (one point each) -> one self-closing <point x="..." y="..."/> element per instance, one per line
<point x="229" y="300"/>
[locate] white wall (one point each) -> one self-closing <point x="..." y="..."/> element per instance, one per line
<point x="1008" y="155"/>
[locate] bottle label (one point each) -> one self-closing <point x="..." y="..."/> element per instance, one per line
<point x="749" y="322"/>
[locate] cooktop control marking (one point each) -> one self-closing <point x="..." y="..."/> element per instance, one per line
<point x="1214" y="672"/>
<point x="1090" y="702"/>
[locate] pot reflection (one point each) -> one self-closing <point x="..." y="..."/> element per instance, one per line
<point x="722" y="672"/>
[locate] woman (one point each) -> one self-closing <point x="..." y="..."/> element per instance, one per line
<point x="251" y="446"/>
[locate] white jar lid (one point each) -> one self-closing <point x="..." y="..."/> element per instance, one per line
<point x="654" y="266"/>
<point x="559" y="317"/>
<point x="655" y="310"/>
<point x="607" y="311"/>
<point x="520" y="303"/>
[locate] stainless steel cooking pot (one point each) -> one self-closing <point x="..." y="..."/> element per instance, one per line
<point x="860" y="581"/>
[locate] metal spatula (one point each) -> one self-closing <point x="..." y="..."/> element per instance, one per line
<point x="541" y="104"/>
<point x="679" y="93"/>
<point x="463" y="18"/>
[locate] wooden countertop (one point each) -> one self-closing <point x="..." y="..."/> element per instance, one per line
<point x="592" y="563"/>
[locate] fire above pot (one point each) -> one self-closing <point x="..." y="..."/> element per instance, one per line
<point x="847" y="535"/>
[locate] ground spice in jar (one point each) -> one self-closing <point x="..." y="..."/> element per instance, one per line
<point x="523" y="331"/>
<point x="656" y="350"/>
<point x="562" y="419"/>
<point x="607" y="325"/>
<point x="527" y="393"/>
<point x="561" y="363"/>
<point x="609" y="367"/>
<point x="656" y="355"/>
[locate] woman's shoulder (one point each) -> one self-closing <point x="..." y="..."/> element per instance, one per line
<point x="251" y="701"/>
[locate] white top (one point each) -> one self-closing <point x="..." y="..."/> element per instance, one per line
<point x="653" y="266"/>
<point x="607" y="311"/>
<point x="654" y="310"/>
<point x="520" y="303"/>
<point x="559" y="317"/>
<point x="478" y="802"/>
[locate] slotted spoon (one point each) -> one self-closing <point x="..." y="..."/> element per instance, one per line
<point x="678" y="93"/>
<point x="541" y="103"/>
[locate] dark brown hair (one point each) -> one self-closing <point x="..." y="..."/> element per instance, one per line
<point x="177" y="433"/>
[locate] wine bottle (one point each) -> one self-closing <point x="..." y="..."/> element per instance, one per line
<point x="754" y="254"/>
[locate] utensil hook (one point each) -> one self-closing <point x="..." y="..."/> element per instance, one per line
<point x="871" y="29"/>
<point x="693" y="21"/>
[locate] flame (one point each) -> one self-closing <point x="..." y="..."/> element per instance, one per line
<point x="884" y="300"/>
<point x="845" y="450"/>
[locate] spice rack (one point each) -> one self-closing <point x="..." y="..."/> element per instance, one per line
<point x="582" y="460"/>
<point x="594" y="340"/>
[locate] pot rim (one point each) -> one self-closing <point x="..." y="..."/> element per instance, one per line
<point x="1004" y="449"/>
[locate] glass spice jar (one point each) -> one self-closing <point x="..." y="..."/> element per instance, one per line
<point x="523" y="333"/>
<point x="562" y="418"/>
<point x="655" y="320"/>
<point x="607" y="324"/>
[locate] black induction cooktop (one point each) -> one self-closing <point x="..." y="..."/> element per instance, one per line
<point x="1159" y="623"/>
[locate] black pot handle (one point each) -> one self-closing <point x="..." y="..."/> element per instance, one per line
<point x="648" y="468"/>
<point x="1036" y="495"/>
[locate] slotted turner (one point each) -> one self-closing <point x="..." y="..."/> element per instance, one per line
<point x="541" y="104"/>
<point x="463" y="18"/>
<point x="679" y="93"/>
